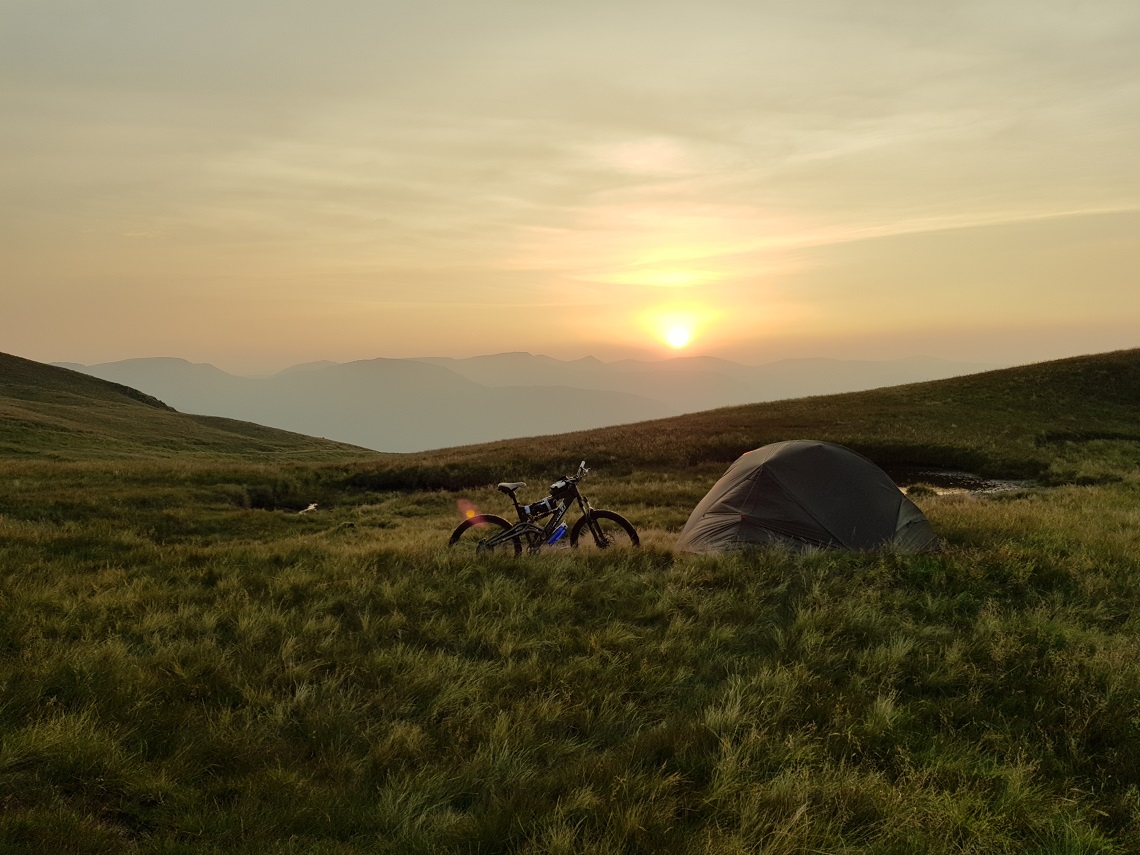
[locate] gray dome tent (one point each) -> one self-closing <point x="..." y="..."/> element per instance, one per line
<point x="803" y="493"/>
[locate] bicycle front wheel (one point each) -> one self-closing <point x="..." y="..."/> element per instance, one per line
<point x="474" y="536"/>
<point x="603" y="530"/>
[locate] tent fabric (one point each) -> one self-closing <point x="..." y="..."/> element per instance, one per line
<point x="804" y="493"/>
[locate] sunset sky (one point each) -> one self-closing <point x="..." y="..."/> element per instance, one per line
<point x="256" y="184"/>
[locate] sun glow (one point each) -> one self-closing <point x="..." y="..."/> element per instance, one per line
<point x="678" y="336"/>
<point x="676" y="326"/>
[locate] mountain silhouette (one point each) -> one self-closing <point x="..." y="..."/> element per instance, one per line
<point x="435" y="402"/>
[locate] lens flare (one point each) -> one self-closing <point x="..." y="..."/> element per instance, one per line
<point x="467" y="510"/>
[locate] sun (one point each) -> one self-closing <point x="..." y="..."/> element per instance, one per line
<point x="676" y="325"/>
<point x="678" y="336"/>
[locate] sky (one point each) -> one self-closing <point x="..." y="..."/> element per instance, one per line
<point x="257" y="184"/>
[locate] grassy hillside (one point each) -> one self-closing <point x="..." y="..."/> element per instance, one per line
<point x="49" y="412"/>
<point x="185" y="670"/>
<point x="1000" y="423"/>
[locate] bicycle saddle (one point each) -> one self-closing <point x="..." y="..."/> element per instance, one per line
<point x="510" y="487"/>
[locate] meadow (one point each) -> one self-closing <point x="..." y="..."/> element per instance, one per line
<point x="188" y="664"/>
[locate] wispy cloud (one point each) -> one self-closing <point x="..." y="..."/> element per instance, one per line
<point x="354" y="153"/>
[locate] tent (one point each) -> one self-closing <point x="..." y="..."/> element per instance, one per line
<point x="803" y="493"/>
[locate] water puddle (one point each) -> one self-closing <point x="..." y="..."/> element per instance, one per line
<point x="951" y="481"/>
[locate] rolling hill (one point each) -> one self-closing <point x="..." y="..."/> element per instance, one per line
<point x="386" y="404"/>
<point x="997" y="423"/>
<point x="417" y="404"/>
<point x="55" y="413"/>
<point x="689" y="383"/>
<point x="192" y="666"/>
<point x="1004" y="423"/>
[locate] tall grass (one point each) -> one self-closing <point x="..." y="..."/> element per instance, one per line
<point x="183" y="671"/>
<point x="189" y="664"/>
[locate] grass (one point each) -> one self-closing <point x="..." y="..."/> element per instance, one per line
<point x="58" y="414"/>
<point x="188" y="665"/>
<point x="1007" y="423"/>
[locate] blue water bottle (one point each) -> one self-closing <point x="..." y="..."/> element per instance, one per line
<point x="557" y="533"/>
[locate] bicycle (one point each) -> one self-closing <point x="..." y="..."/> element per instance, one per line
<point x="542" y="523"/>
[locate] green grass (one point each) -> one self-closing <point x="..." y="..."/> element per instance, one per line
<point x="1007" y="423"/>
<point x="54" y="413"/>
<point x="187" y="665"/>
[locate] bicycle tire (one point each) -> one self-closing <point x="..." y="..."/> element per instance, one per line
<point x="474" y="541"/>
<point x="621" y="533"/>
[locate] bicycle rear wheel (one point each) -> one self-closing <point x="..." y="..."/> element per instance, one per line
<point x="472" y="535"/>
<point x="603" y="530"/>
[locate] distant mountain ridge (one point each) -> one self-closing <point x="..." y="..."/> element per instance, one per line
<point x="1021" y="422"/>
<point x="437" y="402"/>
<point x="692" y="383"/>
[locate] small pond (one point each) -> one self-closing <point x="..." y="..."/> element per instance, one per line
<point x="949" y="481"/>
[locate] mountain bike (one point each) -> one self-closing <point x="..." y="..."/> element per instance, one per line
<point x="542" y="523"/>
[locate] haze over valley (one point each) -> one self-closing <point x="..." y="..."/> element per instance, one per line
<point x="418" y="404"/>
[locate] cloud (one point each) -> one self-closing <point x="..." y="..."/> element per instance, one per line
<point x="354" y="151"/>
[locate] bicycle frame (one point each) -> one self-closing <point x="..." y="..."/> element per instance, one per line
<point x="528" y="529"/>
<point x="543" y="522"/>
